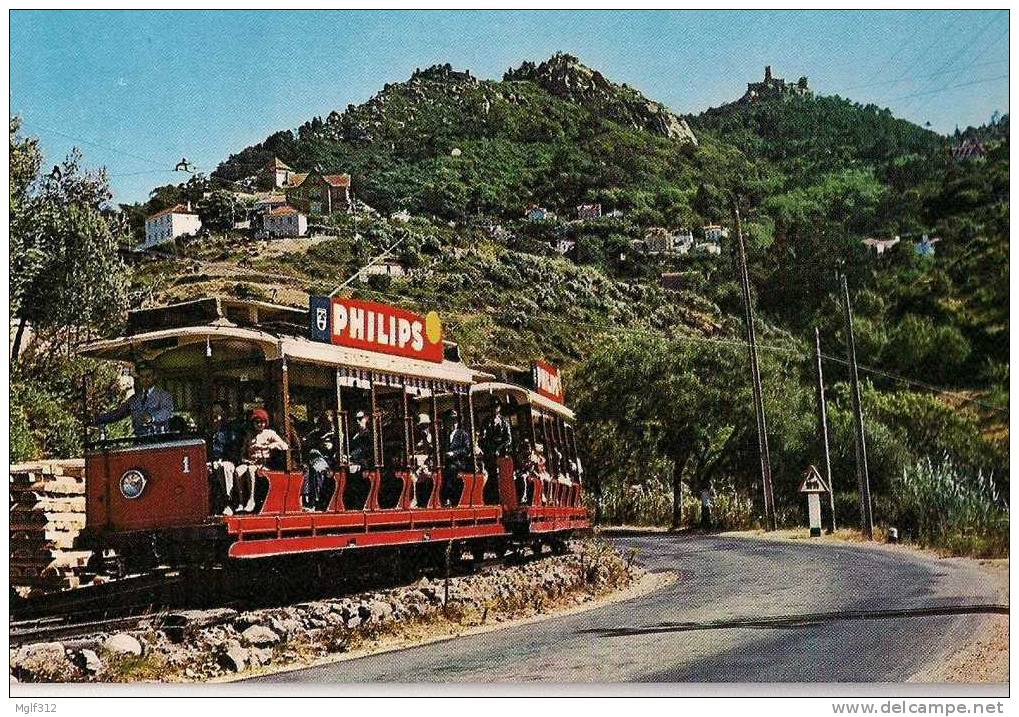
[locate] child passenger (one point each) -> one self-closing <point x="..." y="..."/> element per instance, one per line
<point x="258" y="447"/>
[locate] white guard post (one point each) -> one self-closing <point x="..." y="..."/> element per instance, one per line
<point x="814" y="486"/>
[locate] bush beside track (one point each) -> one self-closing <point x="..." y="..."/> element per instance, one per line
<point x="201" y="645"/>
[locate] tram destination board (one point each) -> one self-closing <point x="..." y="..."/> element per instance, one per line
<point x="376" y="327"/>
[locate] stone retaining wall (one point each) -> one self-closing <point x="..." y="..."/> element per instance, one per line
<point x="208" y="644"/>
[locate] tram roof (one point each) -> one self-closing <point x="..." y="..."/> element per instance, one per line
<point x="532" y="397"/>
<point x="276" y="345"/>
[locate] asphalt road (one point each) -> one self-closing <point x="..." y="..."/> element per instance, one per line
<point x="743" y="610"/>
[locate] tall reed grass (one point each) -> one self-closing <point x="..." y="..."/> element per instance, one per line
<point x="936" y="505"/>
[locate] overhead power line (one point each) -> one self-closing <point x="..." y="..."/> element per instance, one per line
<point x="946" y="88"/>
<point x="733" y="342"/>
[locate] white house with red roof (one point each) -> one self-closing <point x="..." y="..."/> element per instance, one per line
<point x="167" y="225"/>
<point x="285" y="222"/>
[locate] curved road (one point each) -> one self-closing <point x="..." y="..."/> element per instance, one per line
<point x="743" y="610"/>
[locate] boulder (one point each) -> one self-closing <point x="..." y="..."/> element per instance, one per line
<point x="259" y="656"/>
<point x="353" y="621"/>
<point x="234" y="657"/>
<point x="381" y="611"/>
<point x="43" y="661"/>
<point x="90" y="661"/>
<point x="259" y="636"/>
<point x="123" y="644"/>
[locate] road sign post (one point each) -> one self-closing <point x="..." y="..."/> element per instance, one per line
<point x="814" y="487"/>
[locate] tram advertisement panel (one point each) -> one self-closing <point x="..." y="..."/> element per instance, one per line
<point x="376" y="327"/>
<point x="547" y="381"/>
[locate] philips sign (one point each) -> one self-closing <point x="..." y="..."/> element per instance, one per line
<point x="376" y="327"/>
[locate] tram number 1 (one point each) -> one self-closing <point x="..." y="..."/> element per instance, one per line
<point x="186" y="464"/>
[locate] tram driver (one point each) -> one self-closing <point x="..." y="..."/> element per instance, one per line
<point x="149" y="407"/>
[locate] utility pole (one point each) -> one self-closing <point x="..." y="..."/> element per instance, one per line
<point x="862" y="476"/>
<point x="822" y="425"/>
<point x="755" y="373"/>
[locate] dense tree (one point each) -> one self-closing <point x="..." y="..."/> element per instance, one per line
<point x="219" y="210"/>
<point x="63" y="252"/>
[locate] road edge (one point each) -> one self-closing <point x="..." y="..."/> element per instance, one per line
<point x="948" y="667"/>
<point x="646" y="584"/>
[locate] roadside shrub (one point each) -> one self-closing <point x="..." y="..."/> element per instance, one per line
<point x="41" y="424"/>
<point x="936" y="505"/>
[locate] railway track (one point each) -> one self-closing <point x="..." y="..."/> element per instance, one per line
<point x="154" y="598"/>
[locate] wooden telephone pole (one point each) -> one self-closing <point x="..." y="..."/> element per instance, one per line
<point x="822" y="425"/>
<point x="862" y="475"/>
<point x="755" y="373"/>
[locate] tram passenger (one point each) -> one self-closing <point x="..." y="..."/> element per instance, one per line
<point x="524" y="465"/>
<point x="457" y="450"/>
<point x="496" y="442"/>
<point x="361" y="458"/>
<point x="541" y="472"/>
<point x="497" y="436"/>
<point x="423" y="462"/>
<point x="360" y="444"/>
<point x="149" y="407"/>
<point x="258" y="447"/>
<point x="224" y="443"/>
<point x="321" y="449"/>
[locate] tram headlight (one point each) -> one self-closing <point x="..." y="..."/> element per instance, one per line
<point x="132" y="484"/>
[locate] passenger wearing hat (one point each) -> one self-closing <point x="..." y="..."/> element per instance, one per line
<point x="424" y="455"/>
<point x="457" y="452"/>
<point x="360" y="443"/>
<point x="321" y="445"/>
<point x="258" y="447"/>
<point x="496" y="442"/>
<point x="150" y="407"/>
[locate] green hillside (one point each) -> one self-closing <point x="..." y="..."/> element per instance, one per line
<point x="659" y="375"/>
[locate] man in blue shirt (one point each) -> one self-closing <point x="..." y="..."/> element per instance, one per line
<point x="150" y="407"/>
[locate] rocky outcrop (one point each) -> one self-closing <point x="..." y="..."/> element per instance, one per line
<point x="566" y="76"/>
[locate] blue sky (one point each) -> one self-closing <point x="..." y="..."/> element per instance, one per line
<point x="136" y="90"/>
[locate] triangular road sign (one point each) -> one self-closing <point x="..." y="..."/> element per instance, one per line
<point x="813" y="482"/>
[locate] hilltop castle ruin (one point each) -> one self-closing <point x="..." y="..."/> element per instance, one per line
<point x="775" y="87"/>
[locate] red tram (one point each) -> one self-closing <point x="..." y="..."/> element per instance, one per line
<point x="150" y="498"/>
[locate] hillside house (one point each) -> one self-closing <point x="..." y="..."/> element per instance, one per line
<point x="672" y="280"/>
<point x="714" y="234"/>
<point x="169" y="224"/>
<point x="284" y="222"/>
<point x="278" y="174"/>
<point x="269" y="202"/>
<point x="320" y="193"/>
<point x="968" y="151"/>
<point x="664" y="241"/>
<point x="392" y="269"/>
<point x="588" y="211"/>
<point x="535" y="213"/>
<point x="880" y="246"/>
